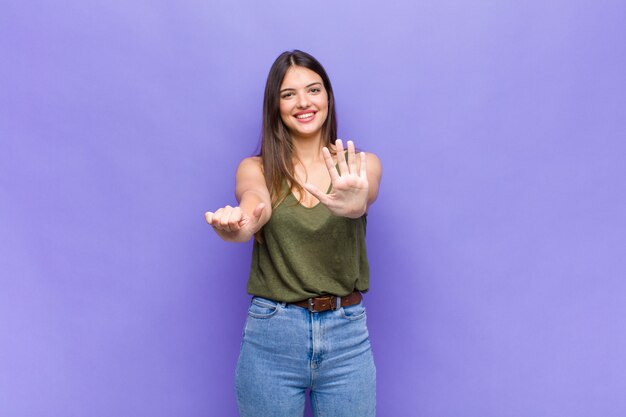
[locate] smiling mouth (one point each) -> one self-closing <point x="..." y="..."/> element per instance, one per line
<point x="305" y="115"/>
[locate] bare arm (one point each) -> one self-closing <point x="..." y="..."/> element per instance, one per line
<point x="239" y="224"/>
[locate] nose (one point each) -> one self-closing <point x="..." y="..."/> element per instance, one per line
<point x="303" y="100"/>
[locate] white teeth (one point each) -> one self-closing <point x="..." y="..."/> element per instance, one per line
<point x="304" y="116"/>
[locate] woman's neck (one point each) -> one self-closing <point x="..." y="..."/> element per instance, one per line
<point x="308" y="150"/>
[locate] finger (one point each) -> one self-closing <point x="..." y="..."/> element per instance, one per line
<point x="330" y="165"/>
<point x="322" y="197"/>
<point x="363" y="165"/>
<point x="351" y="158"/>
<point x="208" y="216"/>
<point x="216" y="219"/>
<point x="341" y="158"/>
<point x="223" y="221"/>
<point x="234" y="218"/>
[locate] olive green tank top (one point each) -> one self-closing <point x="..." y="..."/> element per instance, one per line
<point x="306" y="252"/>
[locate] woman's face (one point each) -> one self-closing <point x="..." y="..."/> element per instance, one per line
<point x="303" y="102"/>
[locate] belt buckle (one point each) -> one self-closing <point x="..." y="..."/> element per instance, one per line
<point x="312" y="304"/>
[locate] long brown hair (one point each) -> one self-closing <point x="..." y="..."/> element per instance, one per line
<point x="276" y="142"/>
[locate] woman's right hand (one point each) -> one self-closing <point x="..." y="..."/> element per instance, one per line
<point x="233" y="224"/>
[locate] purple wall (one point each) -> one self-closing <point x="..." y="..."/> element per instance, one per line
<point x="497" y="245"/>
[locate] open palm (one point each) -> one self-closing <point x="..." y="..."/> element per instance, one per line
<point x="348" y="197"/>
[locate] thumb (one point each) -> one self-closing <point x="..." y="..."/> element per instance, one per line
<point x="322" y="197"/>
<point x="257" y="212"/>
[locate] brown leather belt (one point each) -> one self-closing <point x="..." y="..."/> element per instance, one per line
<point x="328" y="302"/>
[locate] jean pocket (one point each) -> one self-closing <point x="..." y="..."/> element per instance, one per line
<point x="262" y="308"/>
<point x="353" y="312"/>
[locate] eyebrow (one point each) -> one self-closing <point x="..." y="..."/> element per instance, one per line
<point x="286" y="89"/>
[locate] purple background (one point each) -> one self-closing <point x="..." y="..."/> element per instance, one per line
<point x="497" y="246"/>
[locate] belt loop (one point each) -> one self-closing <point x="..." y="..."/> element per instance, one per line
<point x="337" y="303"/>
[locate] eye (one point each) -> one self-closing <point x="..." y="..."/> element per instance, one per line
<point x="287" y="95"/>
<point x="315" y="90"/>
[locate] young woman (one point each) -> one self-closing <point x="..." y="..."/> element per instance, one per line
<point x="304" y="199"/>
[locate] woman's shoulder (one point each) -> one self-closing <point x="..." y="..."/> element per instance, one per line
<point x="372" y="158"/>
<point x="252" y="159"/>
<point x="251" y="168"/>
<point x="251" y="162"/>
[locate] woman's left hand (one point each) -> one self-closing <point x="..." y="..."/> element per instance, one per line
<point x="348" y="197"/>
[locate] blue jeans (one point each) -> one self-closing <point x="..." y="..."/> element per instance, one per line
<point x="286" y="350"/>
